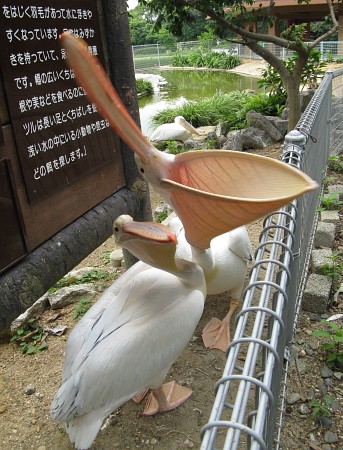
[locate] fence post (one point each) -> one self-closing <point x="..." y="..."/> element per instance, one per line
<point x="158" y="56"/>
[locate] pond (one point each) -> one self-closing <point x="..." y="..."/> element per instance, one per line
<point x="188" y="85"/>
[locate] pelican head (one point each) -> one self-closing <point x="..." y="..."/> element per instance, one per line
<point x="153" y="243"/>
<point x="180" y="120"/>
<point x="212" y="191"/>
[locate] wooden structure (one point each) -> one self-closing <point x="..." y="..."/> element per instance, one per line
<point x="294" y="13"/>
<point x="64" y="173"/>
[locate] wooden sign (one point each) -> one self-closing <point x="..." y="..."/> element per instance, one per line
<point x="59" y="134"/>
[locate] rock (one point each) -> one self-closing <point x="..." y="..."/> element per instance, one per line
<point x="326" y="447"/>
<point x="36" y="309"/>
<point x="116" y="257"/>
<point x="222" y="129"/>
<point x="3" y="409"/>
<point x="279" y="123"/>
<point x="70" y="294"/>
<point x="325" y="422"/>
<point x="322" y="387"/>
<point x="30" y="389"/>
<point x="79" y="273"/>
<point x="330" y="437"/>
<point x="261" y="122"/>
<point x="317" y="293"/>
<point x="330" y="216"/>
<point x="324" y="235"/>
<point x="326" y="372"/>
<point x="253" y="137"/>
<point x="303" y="409"/>
<point x="153" y="441"/>
<point x="234" y="141"/>
<point x="336" y="188"/>
<point x="319" y="257"/>
<point x="293" y="398"/>
<point x="338" y="375"/>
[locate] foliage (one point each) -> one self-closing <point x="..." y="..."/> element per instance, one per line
<point x="106" y="256"/>
<point x="82" y="306"/>
<point x="335" y="163"/>
<point x="231" y="107"/>
<point x="333" y="343"/>
<point x="271" y="79"/>
<point x="93" y="276"/>
<point x="174" y="148"/>
<point x="161" y="216"/>
<point x="334" y="268"/>
<point x="329" y="201"/>
<point x="144" y="87"/>
<point x="30" y="338"/>
<point x="320" y="408"/>
<point x="210" y="59"/>
<point x="236" y="16"/>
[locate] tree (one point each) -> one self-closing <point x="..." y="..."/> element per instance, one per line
<point x="238" y="17"/>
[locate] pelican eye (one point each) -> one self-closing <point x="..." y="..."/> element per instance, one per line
<point x="116" y="229"/>
<point x="141" y="170"/>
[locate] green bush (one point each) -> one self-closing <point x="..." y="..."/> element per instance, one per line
<point x="210" y="59"/>
<point x="231" y="107"/>
<point x="144" y="87"/>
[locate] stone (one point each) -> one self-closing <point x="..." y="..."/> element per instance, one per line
<point x="261" y="122"/>
<point x="330" y="437"/>
<point x="253" y="137"/>
<point x="293" y="398"/>
<point x="222" y="129"/>
<point x="324" y="235"/>
<point x="317" y="293"/>
<point x="36" y="309"/>
<point x="326" y="372"/>
<point x="234" y="141"/>
<point x="322" y="387"/>
<point x="319" y="257"/>
<point x="279" y="123"/>
<point x="79" y="273"/>
<point x="3" y="408"/>
<point x="116" y="257"/>
<point x="336" y="188"/>
<point x="303" y="409"/>
<point x="30" y="389"/>
<point x="71" y="294"/>
<point x="338" y="375"/>
<point x="330" y="216"/>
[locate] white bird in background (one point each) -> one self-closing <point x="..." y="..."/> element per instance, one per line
<point x="225" y="265"/>
<point x="180" y="130"/>
<point x="233" y="188"/>
<point x="132" y="343"/>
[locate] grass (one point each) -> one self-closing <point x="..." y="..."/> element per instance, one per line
<point x="229" y="107"/>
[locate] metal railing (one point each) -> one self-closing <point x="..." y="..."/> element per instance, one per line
<point x="250" y="398"/>
<point x="158" y="55"/>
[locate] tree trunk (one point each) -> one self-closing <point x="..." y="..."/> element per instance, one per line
<point x="293" y="102"/>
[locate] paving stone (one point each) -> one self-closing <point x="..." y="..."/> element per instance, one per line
<point x="319" y="257"/>
<point x="330" y="216"/>
<point x="317" y="293"/>
<point x="332" y="188"/>
<point x="325" y="235"/>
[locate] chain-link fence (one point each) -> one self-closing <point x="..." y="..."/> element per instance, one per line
<point x="250" y="396"/>
<point x="158" y="55"/>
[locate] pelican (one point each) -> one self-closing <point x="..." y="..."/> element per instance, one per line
<point x="225" y="266"/>
<point x="132" y="340"/>
<point x="233" y="188"/>
<point x="180" y="130"/>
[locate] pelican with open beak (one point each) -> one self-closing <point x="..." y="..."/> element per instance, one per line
<point x="212" y="191"/>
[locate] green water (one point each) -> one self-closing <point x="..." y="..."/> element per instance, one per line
<point x="188" y="85"/>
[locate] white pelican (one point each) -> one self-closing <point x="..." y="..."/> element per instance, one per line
<point x="134" y="340"/>
<point x="233" y="188"/>
<point x="180" y="130"/>
<point x="225" y="265"/>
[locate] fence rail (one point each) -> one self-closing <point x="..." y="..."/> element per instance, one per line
<point x="158" y="55"/>
<point x="250" y="399"/>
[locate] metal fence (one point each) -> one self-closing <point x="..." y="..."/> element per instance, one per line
<point x="157" y="55"/>
<point x="250" y="397"/>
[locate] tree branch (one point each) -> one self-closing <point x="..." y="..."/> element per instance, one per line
<point x="331" y="31"/>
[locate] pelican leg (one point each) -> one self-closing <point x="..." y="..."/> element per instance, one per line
<point x="167" y="397"/>
<point x="216" y="333"/>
